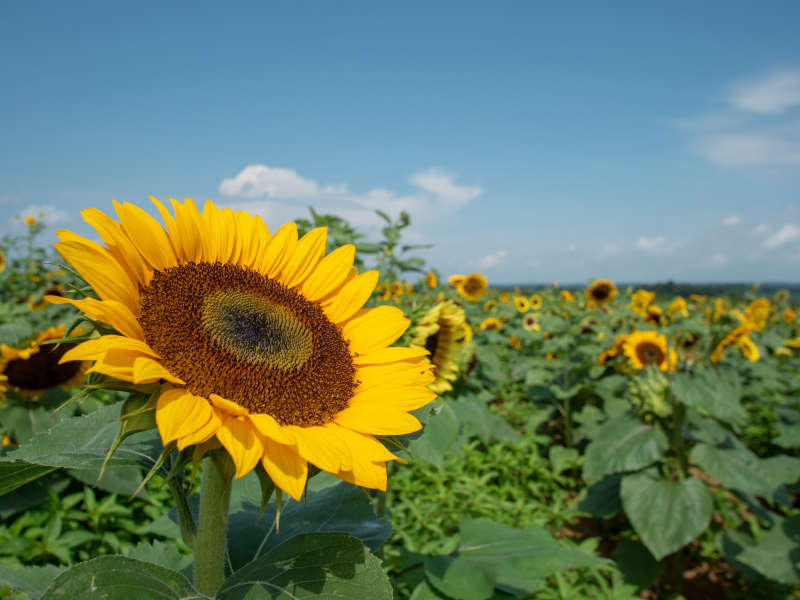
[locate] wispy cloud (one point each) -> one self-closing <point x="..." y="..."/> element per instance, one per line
<point x="786" y="234"/>
<point x="652" y="244"/>
<point x="731" y="221"/>
<point x="761" y="228"/>
<point x="491" y="260"/>
<point x="718" y="259"/>
<point x="749" y="149"/>
<point x="769" y="94"/>
<point x="45" y="213"/>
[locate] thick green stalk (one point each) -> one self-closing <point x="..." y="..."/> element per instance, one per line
<point x="212" y="523"/>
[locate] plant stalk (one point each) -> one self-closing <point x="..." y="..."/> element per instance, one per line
<point x="185" y="518"/>
<point x="209" y="547"/>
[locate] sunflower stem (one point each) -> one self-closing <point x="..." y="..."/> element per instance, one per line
<point x="185" y="518"/>
<point x="209" y="548"/>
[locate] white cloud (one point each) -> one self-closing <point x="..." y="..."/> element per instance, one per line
<point x="787" y="233"/>
<point x="652" y="244"/>
<point x="280" y="194"/>
<point x="45" y="213"/>
<point x="491" y="260"/>
<point x="731" y="221"/>
<point x="749" y="149"/>
<point x="718" y="259"/>
<point x="761" y="228"/>
<point x="771" y="94"/>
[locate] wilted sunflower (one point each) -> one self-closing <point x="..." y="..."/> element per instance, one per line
<point x="472" y="287"/>
<point x="491" y="324"/>
<point x="522" y="304"/>
<point x="649" y="348"/>
<point x="442" y="332"/>
<point x="536" y="301"/>
<point x="33" y="370"/>
<point x="600" y="293"/>
<point x="616" y="350"/>
<point x="531" y="323"/>
<point x="431" y="279"/>
<point x="260" y="339"/>
<point x="728" y="341"/>
<point x="748" y="349"/>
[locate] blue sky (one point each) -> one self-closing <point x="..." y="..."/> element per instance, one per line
<point x="530" y="141"/>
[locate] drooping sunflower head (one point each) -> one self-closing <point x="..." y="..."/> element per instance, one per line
<point x="36" y="368"/>
<point x="649" y="348"/>
<point x="491" y="324"/>
<point x="536" y="301"/>
<point x="600" y="293"/>
<point x="442" y="331"/>
<point x="531" y="323"/>
<point x="259" y="340"/>
<point x="748" y="349"/>
<point x="522" y="304"/>
<point x="472" y="287"/>
<point x="431" y="280"/>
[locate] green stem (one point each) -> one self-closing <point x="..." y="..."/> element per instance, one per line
<point x="185" y="518"/>
<point x="209" y="548"/>
<point x="678" y="447"/>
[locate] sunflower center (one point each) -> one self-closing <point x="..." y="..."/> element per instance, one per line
<point x="41" y="370"/>
<point x="601" y="292"/>
<point x="472" y="285"/>
<point x="650" y="353"/>
<point x="431" y="343"/>
<point x="230" y="331"/>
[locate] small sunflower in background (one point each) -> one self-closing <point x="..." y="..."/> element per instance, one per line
<point x="514" y="342"/>
<point x="649" y="348"/>
<point x="431" y="280"/>
<point x="698" y="298"/>
<point x="618" y="349"/>
<point x="384" y="292"/>
<point x="729" y="340"/>
<point x="398" y="288"/>
<point x="757" y="313"/>
<point x="491" y="324"/>
<point x="522" y="304"/>
<point x="456" y="280"/>
<point x="782" y="296"/>
<point x="536" y="301"/>
<point x="748" y="349"/>
<point x="472" y="287"/>
<point x="504" y="297"/>
<point x="442" y="331"/>
<point x="259" y="340"/>
<point x="600" y="293"/>
<point x="36" y="368"/>
<point x="641" y="300"/>
<point x="490" y="305"/>
<point x="2" y="260"/>
<point x="531" y="323"/>
<point x="653" y="314"/>
<point x="566" y="296"/>
<point x="789" y="316"/>
<point x="677" y="307"/>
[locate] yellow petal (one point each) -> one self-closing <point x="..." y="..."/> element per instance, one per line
<point x="287" y="469"/>
<point x="323" y="448"/>
<point x="377" y="420"/>
<point x="388" y="355"/>
<point x="366" y="474"/>
<point x="394" y="375"/>
<point x="352" y="297"/>
<point x="240" y="440"/>
<point x="329" y="274"/>
<point x="203" y="433"/>
<point x="230" y="245"/>
<point x="375" y="328"/>
<point x="277" y="252"/>
<point x="147" y="235"/>
<point x="119" y="245"/>
<point x="188" y="224"/>
<point x="409" y="398"/>
<point x="213" y="241"/>
<point x="172" y="408"/>
<point x="269" y="427"/>
<point x="109" y="312"/>
<point x="365" y="447"/>
<point x="96" y="348"/>
<point x="227" y="406"/>
<point x="305" y="257"/>
<point x="147" y="370"/>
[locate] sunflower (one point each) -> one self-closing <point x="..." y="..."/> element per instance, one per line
<point x="2" y="261"/>
<point x="641" y="300"/>
<point x="490" y="305"/>
<point x="456" y="280"/>
<point x="531" y="323"/>
<point x="504" y="297"/>
<point x="514" y="342"/>
<point x="385" y="291"/>
<point x="259" y="339"/>
<point x="748" y="349"/>
<point x="600" y="292"/>
<point x="566" y="296"/>
<point x="522" y="304"/>
<point x="616" y="350"/>
<point x="431" y="279"/>
<point x="698" y="298"/>
<point x="398" y="288"/>
<point x="757" y="313"/>
<point x="783" y="352"/>
<point x="653" y="314"/>
<point x="649" y="348"/>
<point x="728" y="341"/>
<point x="442" y="331"/>
<point x="688" y="341"/>
<point x="789" y="316"/>
<point x="792" y="343"/>
<point x="536" y="301"/>
<point x="782" y="296"/>
<point x="721" y="306"/>
<point x="677" y="307"/>
<point x="33" y="370"/>
<point x="472" y="287"/>
<point x="491" y="324"/>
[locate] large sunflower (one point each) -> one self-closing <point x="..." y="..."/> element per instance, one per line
<point x="260" y="340"/>
<point x="649" y="348"/>
<point x="600" y="293"/>
<point x="442" y="331"/>
<point x="34" y="369"/>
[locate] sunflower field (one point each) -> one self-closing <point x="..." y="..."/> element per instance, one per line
<point x="206" y="406"/>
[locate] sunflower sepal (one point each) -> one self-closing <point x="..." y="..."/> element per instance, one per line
<point x="162" y="458"/>
<point x="138" y="413"/>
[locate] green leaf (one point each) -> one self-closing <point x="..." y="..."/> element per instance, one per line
<point x="32" y="581"/>
<point x="313" y="565"/>
<point x="666" y="514"/>
<point x="736" y="469"/>
<point x="477" y="419"/>
<point x="602" y="499"/>
<point x="622" y="444"/>
<point x="16" y="474"/>
<point x="424" y="591"/>
<point x="776" y="555"/>
<point x="159" y="553"/>
<point x="459" y="578"/>
<point x="714" y="391"/>
<point x="636" y="564"/>
<point x="562" y="458"/>
<point x="119" y="578"/>
<point x="789" y="436"/>
<point x="440" y="433"/>
<point x="338" y="508"/>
